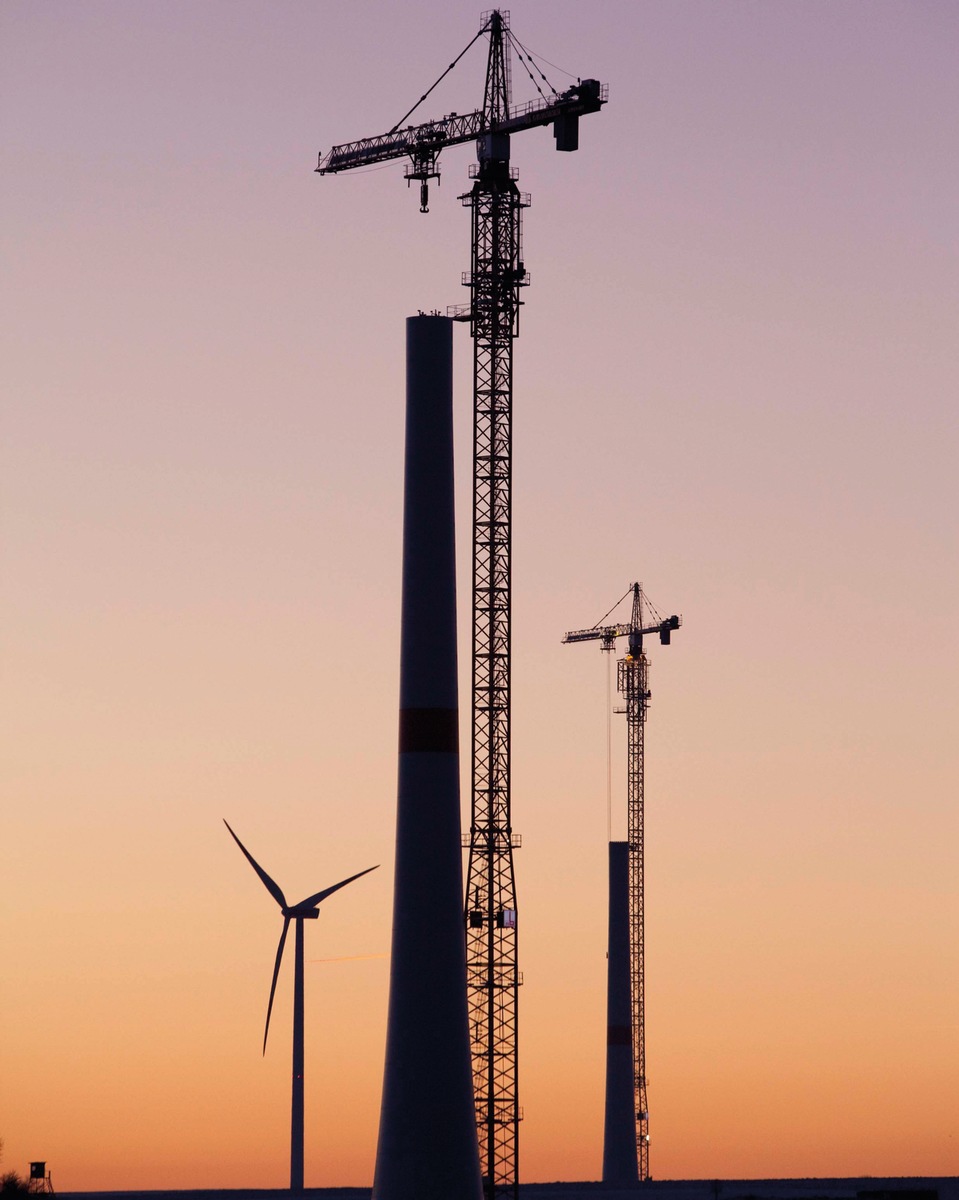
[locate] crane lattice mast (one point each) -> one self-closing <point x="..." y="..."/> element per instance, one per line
<point x="492" y="970"/>
<point x="496" y="275"/>
<point x="632" y="682"/>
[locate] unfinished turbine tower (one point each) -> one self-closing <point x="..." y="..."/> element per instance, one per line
<point x="626" y="1127"/>
<point x="427" y="1147"/>
<point x="497" y="273"/>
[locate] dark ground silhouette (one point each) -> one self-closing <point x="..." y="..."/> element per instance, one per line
<point x="860" y="1188"/>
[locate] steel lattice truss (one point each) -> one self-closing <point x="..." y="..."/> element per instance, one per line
<point x="632" y="682"/>
<point x="491" y="934"/>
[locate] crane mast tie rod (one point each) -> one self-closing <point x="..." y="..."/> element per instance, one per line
<point x="628" y="592"/>
<point x="441" y="78"/>
<point x="528" y="65"/>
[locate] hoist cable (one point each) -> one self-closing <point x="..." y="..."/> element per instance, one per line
<point x="609" y="747"/>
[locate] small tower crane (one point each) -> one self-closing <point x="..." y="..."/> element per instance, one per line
<point x="632" y="682"/>
<point x="496" y="275"/>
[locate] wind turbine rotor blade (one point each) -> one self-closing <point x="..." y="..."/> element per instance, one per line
<point x="272" y="887"/>
<point x="312" y="901"/>
<point x="276" y="972"/>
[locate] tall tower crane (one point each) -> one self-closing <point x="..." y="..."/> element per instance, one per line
<point x="632" y="682"/>
<point x="496" y="275"/>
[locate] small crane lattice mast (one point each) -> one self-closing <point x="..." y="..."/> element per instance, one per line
<point x="632" y="682"/>
<point x="497" y="273"/>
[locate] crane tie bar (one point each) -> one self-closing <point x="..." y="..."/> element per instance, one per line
<point x="439" y="81"/>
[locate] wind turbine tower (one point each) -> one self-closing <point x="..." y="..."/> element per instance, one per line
<point x="632" y="682"/>
<point x="306" y="910"/>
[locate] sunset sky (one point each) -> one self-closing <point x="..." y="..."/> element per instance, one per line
<point x="736" y="381"/>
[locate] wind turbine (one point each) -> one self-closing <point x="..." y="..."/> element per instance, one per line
<point x="306" y="910"/>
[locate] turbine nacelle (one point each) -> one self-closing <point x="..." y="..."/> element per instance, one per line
<point x="306" y="910"/>
<point x="306" y="914"/>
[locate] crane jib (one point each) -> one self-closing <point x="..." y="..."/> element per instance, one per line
<point x="607" y="632"/>
<point x="453" y="130"/>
